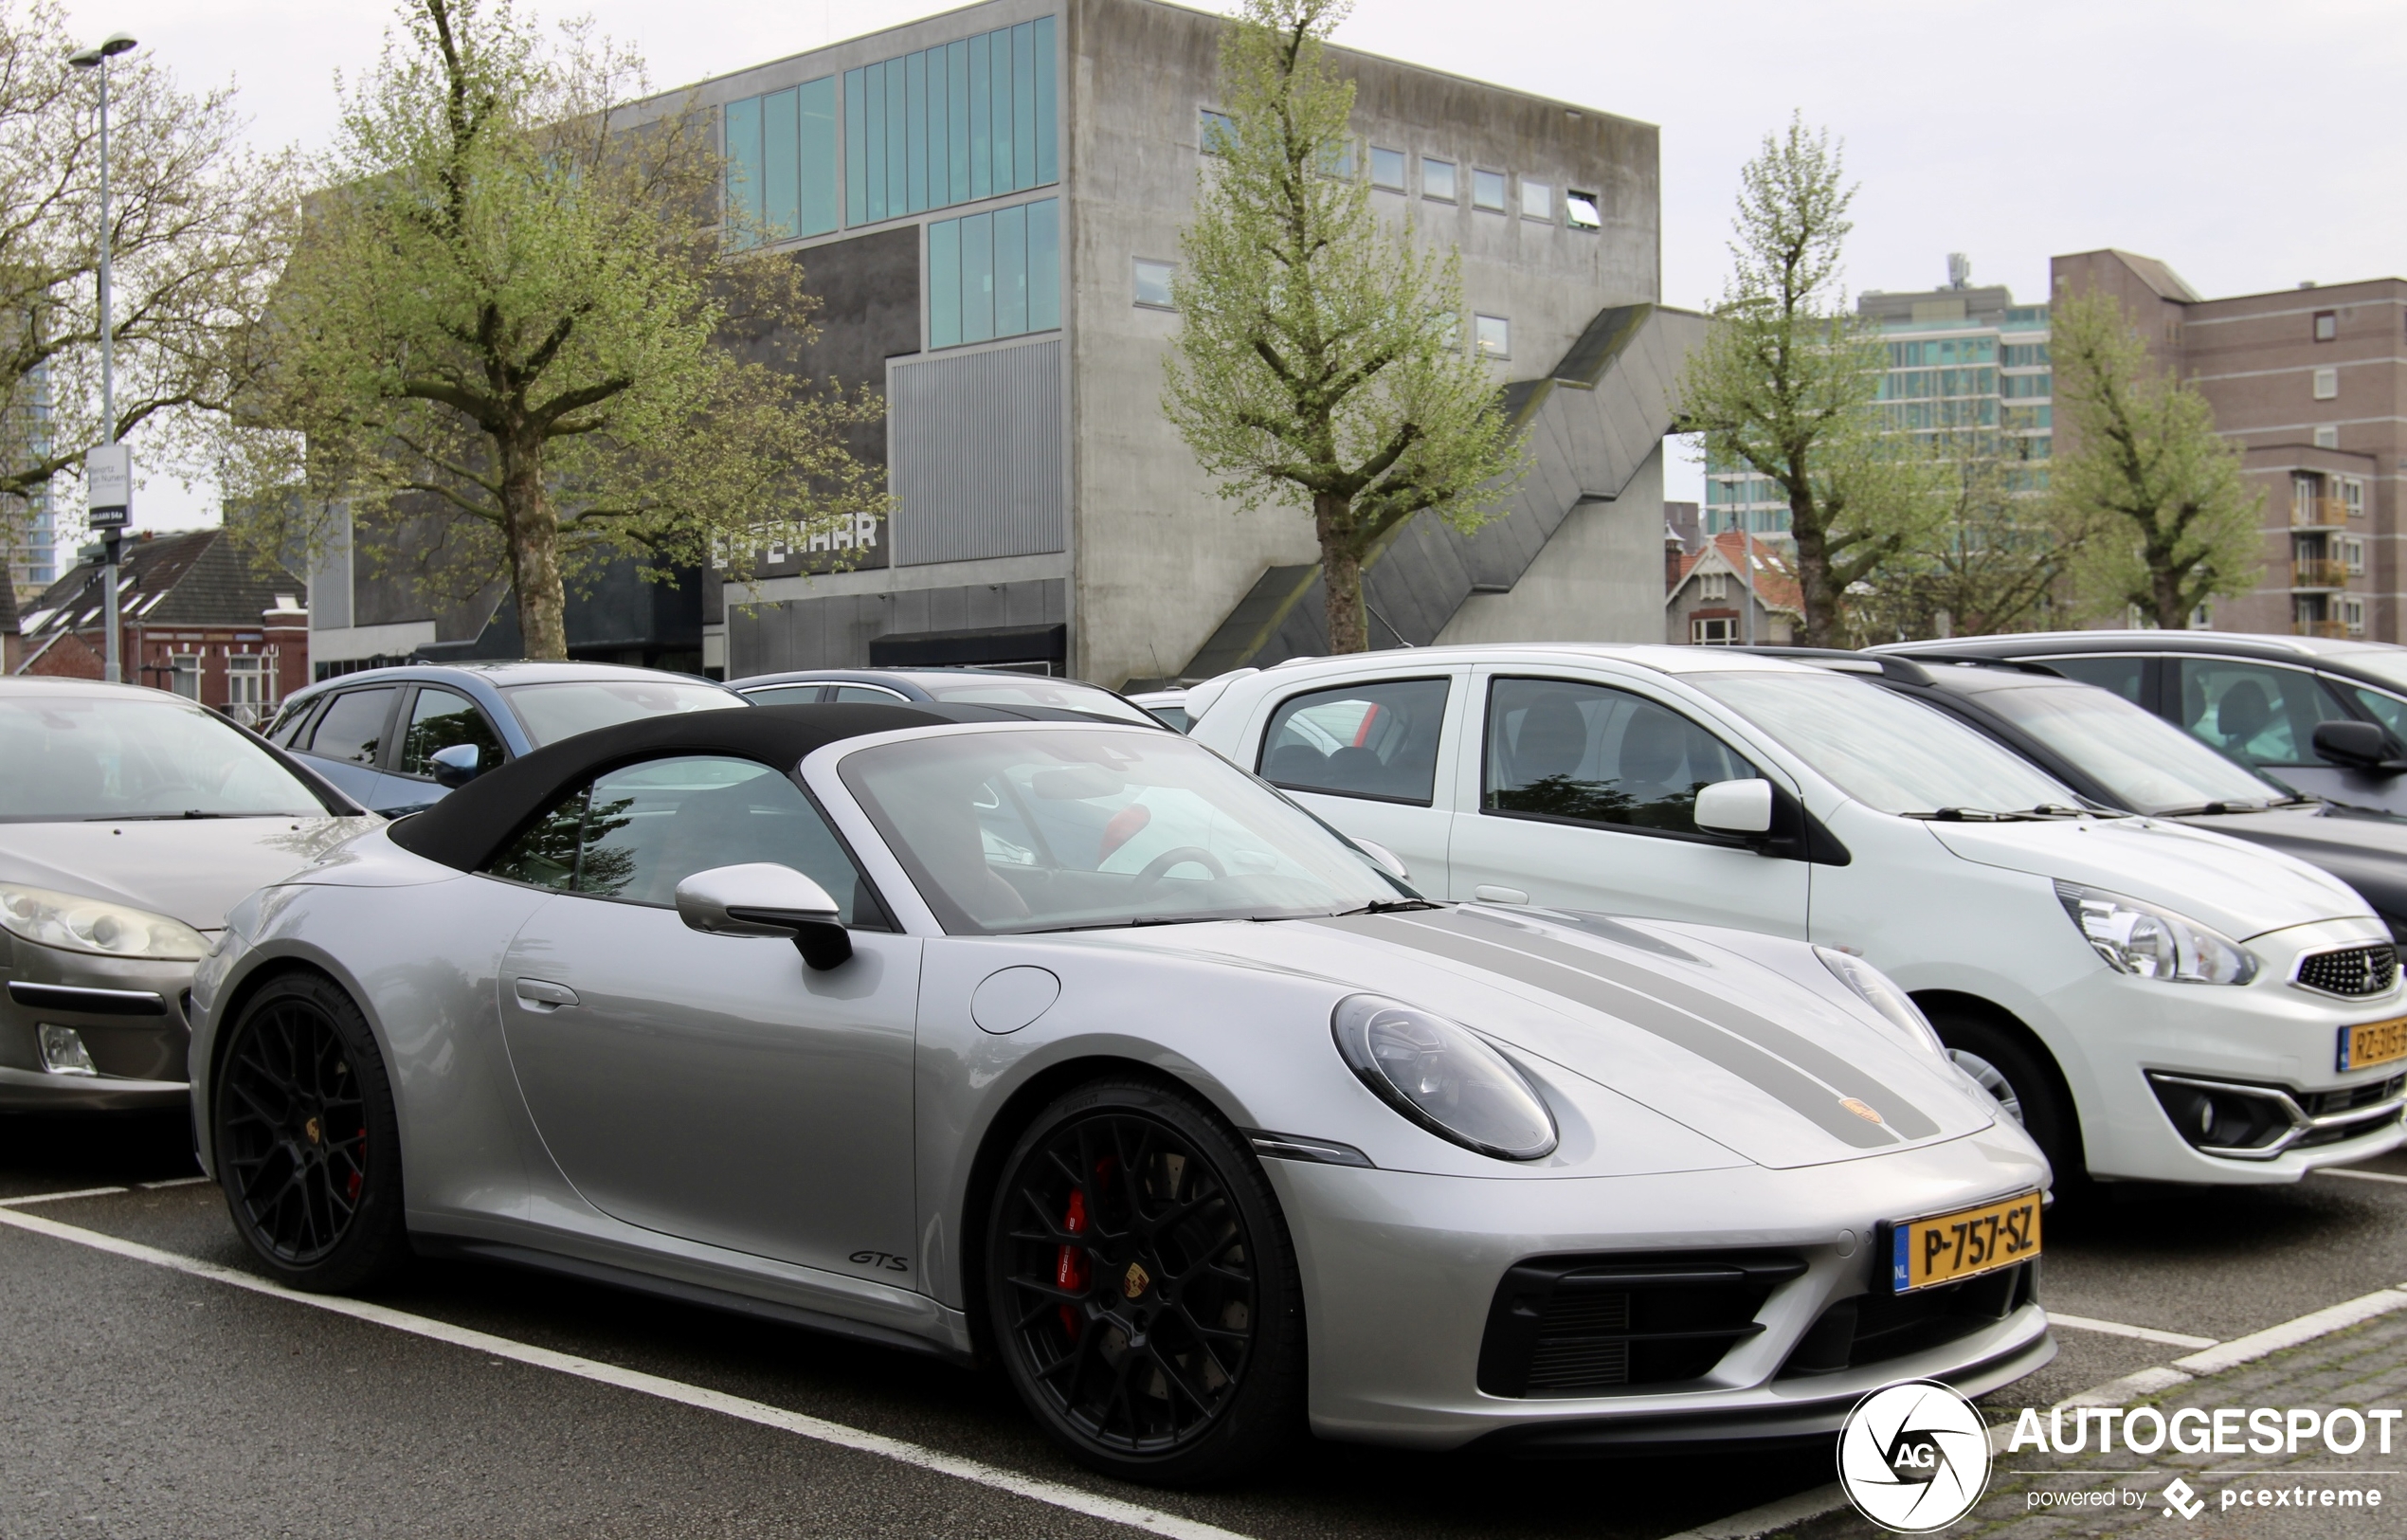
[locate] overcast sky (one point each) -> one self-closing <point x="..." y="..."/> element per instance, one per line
<point x="2250" y="145"/>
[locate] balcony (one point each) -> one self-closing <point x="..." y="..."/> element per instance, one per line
<point x="2318" y="513"/>
<point x="2318" y="572"/>
<point x="2335" y="629"/>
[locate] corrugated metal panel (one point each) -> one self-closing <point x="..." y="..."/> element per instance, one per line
<point x="977" y="455"/>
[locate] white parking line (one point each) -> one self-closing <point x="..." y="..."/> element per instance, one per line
<point x="2137" y="1333"/>
<point x="2364" y="1176"/>
<point x="1093" y="1505"/>
<point x="176" y="1182"/>
<point x="58" y="1197"/>
<point x="2291" y="1333"/>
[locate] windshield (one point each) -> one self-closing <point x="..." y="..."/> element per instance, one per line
<point x="66" y="758"/>
<point x="1881" y="748"/>
<point x="1057" y="829"/>
<point x="2150" y="765"/>
<point x="1067" y="695"/>
<point x="553" y="712"/>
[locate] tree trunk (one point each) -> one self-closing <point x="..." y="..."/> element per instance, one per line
<point x="534" y="552"/>
<point x="1341" y="576"/>
<point x="1813" y="579"/>
<point x="2171" y="613"/>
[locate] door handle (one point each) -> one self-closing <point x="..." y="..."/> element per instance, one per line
<point x="1488" y="893"/>
<point x="542" y="994"/>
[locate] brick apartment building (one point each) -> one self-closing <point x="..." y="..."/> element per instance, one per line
<point x="2312" y="382"/>
<point x="198" y="618"/>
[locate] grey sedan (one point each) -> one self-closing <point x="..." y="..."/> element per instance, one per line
<point x="130" y="821"/>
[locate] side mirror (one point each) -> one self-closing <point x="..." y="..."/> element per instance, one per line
<point x="456" y="766"/>
<point x="2354" y="745"/>
<point x="1388" y="861"/>
<point x="1735" y="808"/>
<point x="764" y="898"/>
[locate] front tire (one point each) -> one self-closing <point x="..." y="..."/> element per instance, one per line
<point x="308" y="1146"/>
<point x="1142" y="1289"/>
<point x="2026" y="1088"/>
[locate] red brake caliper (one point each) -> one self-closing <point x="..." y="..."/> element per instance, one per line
<point x="1070" y="1262"/>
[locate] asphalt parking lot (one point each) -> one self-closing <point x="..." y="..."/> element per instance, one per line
<point x="142" y="1399"/>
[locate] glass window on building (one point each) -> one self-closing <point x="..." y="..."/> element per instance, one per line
<point x="1491" y="336"/>
<point x="184" y="674"/>
<point x="1438" y="179"/>
<point x="1580" y="211"/>
<point x="972" y="119"/>
<point x="1537" y="200"/>
<point x="2025" y="355"/>
<point x="781" y="161"/>
<point x="994" y="274"/>
<point x="1387" y="169"/>
<point x="1488" y="190"/>
<point x="1211" y="128"/>
<point x="2326" y="325"/>
<point x="1153" y="282"/>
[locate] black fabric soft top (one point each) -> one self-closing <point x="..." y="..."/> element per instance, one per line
<point x="465" y="829"/>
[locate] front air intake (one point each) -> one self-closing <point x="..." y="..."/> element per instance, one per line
<point x="1578" y="1326"/>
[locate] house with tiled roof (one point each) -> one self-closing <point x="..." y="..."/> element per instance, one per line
<point x="198" y="617"/>
<point x="1714" y="586"/>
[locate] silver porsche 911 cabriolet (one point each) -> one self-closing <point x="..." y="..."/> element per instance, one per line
<point x="1069" y="1046"/>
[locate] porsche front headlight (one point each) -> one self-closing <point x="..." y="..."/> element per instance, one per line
<point x="1443" y="1076"/>
<point x="73" y="923"/>
<point x="1879" y="990"/>
<point x="2152" y="942"/>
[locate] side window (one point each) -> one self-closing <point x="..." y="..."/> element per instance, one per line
<point x="442" y="719"/>
<point x="1588" y="754"/>
<point x="287" y="730"/>
<point x="2255" y="712"/>
<point x="352" y="726"/>
<point x="2120" y="674"/>
<point x="864" y="695"/>
<point x="2386" y="709"/>
<point x="784" y="695"/>
<point x="1367" y="740"/>
<point x="635" y="833"/>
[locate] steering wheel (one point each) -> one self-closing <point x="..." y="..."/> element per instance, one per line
<point x="1160" y="865"/>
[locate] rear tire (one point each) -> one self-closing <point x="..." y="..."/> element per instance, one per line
<point x="308" y="1146"/>
<point x="2027" y="1088"/>
<point x="1142" y="1289"/>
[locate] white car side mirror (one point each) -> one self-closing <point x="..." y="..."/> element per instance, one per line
<point x="1735" y="808"/>
<point x="765" y="899"/>
<point x="1389" y="860"/>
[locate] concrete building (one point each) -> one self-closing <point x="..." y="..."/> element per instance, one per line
<point x="988" y="203"/>
<point x="1713" y="588"/>
<point x="2312" y="383"/>
<point x="196" y="617"/>
<point x="1962" y="361"/>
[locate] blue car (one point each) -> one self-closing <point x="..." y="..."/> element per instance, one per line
<point x="397" y="739"/>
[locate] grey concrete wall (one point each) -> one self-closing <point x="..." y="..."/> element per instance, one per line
<point x="1599" y="579"/>
<point x="834" y="630"/>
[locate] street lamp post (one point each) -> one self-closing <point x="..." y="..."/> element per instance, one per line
<point x="108" y="470"/>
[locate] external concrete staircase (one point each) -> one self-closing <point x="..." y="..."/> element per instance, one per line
<point x="1592" y="423"/>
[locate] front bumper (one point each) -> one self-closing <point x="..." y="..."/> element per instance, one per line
<point x="1402" y="1272"/>
<point x="130" y="1015"/>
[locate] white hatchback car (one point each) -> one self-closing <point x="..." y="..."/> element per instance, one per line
<point x="2154" y="1001"/>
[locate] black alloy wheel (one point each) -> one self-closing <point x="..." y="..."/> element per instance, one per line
<point x="2027" y="1090"/>
<point x="308" y="1149"/>
<point x="1143" y="1289"/>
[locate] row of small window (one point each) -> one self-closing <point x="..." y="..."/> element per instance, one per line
<point x="994" y="274"/>
<point x="2311" y="548"/>
<point x="1440" y="180"/>
<point x="2311" y="494"/>
<point x="2026" y="354"/>
<point x="1936" y="352"/>
<point x="1923" y="384"/>
<point x="1491" y="335"/>
<point x="968" y="119"/>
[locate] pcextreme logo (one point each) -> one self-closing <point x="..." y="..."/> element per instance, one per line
<point x="1913" y="1458"/>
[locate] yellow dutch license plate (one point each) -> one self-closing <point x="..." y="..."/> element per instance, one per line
<point x="2373" y="1042"/>
<point x="1949" y="1248"/>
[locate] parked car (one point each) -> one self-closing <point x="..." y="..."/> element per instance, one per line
<point x="958" y="686"/>
<point x="398" y="738"/>
<point x="2121" y="757"/>
<point x="2153" y="1001"/>
<point x="2326" y="717"/>
<point x="1168" y="705"/>
<point x="131" y="820"/>
<point x="1101" y="1058"/>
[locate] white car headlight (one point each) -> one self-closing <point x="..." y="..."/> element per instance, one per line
<point x="2153" y="942"/>
<point x="1879" y="990"/>
<point x="1443" y="1076"/>
<point x="73" y="923"/>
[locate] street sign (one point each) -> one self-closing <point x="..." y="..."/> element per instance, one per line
<point x="108" y="486"/>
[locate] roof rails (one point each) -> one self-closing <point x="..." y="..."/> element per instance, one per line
<point x="1842" y="661"/>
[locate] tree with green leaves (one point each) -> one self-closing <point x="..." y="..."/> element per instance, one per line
<point x="1318" y="360"/>
<point x="1787" y="384"/>
<point x="515" y="309"/>
<point x="1996" y="559"/>
<point x="2138" y="457"/>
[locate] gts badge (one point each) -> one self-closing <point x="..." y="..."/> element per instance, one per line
<point x="884" y="1262"/>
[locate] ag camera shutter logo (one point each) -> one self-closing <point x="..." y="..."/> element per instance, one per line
<point x="1915" y="1456"/>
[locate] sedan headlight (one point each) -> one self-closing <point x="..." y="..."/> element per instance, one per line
<point x="74" y="923"/>
<point x="2154" y="943"/>
<point x="1879" y="990"/>
<point x="1443" y="1076"/>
